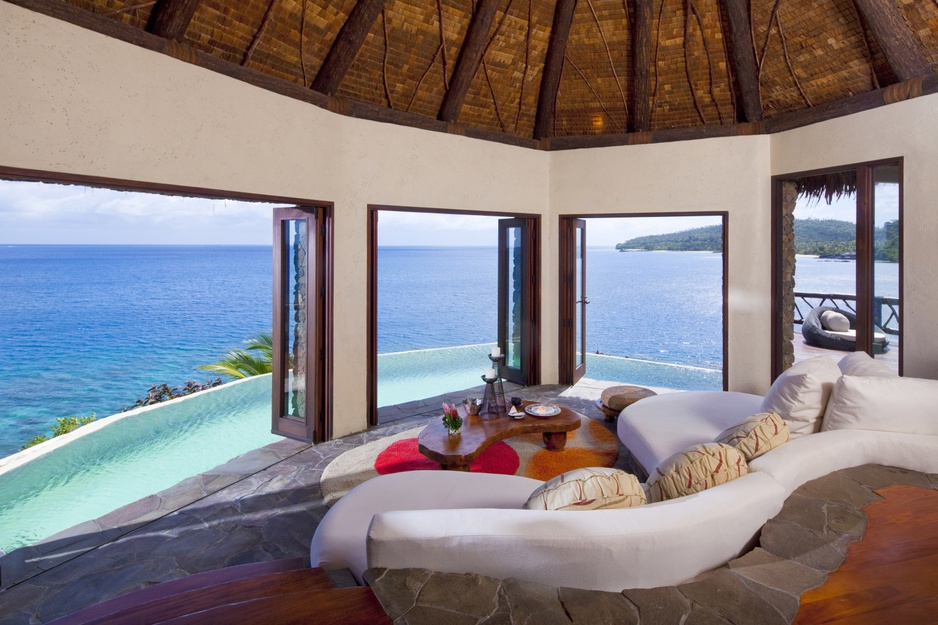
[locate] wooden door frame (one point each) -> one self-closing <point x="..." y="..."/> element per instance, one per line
<point x="566" y="342"/>
<point x="371" y="331"/>
<point x="864" y="267"/>
<point x="566" y="307"/>
<point x="316" y="425"/>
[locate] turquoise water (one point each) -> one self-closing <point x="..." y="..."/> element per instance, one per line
<point x="134" y="457"/>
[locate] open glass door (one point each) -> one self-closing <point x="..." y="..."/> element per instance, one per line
<point x="516" y="295"/>
<point x="573" y="301"/>
<point x="301" y="345"/>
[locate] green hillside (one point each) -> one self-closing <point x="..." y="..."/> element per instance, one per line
<point x="818" y="237"/>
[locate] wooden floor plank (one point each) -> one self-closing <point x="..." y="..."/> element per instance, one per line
<point x="339" y="606"/>
<point x="890" y="577"/>
<point x="165" y="589"/>
<point x="195" y="600"/>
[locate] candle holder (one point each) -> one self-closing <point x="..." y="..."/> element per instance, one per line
<point x="493" y="401"/>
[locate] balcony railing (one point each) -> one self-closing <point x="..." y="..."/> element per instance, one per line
<point x="887" y="307"/>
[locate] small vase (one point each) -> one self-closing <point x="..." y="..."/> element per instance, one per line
<point x="454" y="432"/>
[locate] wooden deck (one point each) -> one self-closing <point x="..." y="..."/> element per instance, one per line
<point x="803" y="351"/>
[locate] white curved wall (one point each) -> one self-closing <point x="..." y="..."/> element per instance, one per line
<point x="74" y="101"/>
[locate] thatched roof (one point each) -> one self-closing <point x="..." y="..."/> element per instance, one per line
<point x="552" y="73"/>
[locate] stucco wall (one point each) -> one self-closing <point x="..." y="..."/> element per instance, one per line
<point x="910" y="130"/>
<point x="728" y="174"/>
<point x="77" y="102"/>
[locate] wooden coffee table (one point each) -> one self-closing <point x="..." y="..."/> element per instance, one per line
<point x="456" y="453"/>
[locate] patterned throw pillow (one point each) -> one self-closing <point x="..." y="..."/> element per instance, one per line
<point x="588" y="489"/>
<point x="756" y="435"/>
<point x="694" y="470"/>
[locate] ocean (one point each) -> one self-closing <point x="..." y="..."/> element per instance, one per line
<point x="90" y="328"/>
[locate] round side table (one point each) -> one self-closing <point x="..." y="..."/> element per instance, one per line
<point x="615" y="399"/>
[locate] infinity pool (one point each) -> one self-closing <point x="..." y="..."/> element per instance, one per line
<point x="144" y="452"/>
<point x="133" y="457"/>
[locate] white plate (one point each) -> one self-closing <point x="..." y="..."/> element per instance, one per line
<point x="542" y="410"/>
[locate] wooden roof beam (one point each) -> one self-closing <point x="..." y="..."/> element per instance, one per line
<point x="347" y="43"/>
<point x="553" y="67"/>
<point x="470" y="57"/>
<point x="900" y="45"/>
<point x="641" y="58"/>
<point x="744" y="58"/>
<point x="170" y="18"/>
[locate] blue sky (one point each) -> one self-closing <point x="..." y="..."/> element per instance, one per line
<point x="37" y="213"/>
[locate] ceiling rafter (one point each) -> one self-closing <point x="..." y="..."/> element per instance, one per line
<point x="347" y="43"/>
<point x="170" y="18"/>
<point x="641" y="57"/>
<point x="469" y="59"/>
<point x="744" y="59"/>
<point x="902" y="48"/>
<point x="553" y="67"/>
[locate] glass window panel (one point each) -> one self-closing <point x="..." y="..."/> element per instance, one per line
<point x="581" y="296"/>
<point x="513" y="297"/>
<point x="295" y="287"/>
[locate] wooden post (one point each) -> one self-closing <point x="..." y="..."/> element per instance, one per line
<point x="641" y="57"/>
<point x="899" y="44"/>
<point x="470" y="56"/>
<point x="170" y="18"/>
<point x="346" y="46"/>
<point x="553" y="66"/>
<point x="744" y="58"/>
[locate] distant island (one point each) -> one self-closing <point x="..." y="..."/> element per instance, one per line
<point x="827" y="238"/>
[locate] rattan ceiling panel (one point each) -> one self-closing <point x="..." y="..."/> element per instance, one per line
<point x="922" y="19"/>
<point x="402" y="60"/>
<point x="690" y="87"/>
<point x="593" y="90"/>
<point x="503" y="93"/>
<point x="817" y="55"/>
<point x="131" y="13"/>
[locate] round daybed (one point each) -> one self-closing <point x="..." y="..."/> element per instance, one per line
<point x="815" y="333"/>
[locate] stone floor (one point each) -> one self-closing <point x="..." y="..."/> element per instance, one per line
<point x="798" y="548"/>
<point x="267" y="503"/>
<point x="262" y="505"/>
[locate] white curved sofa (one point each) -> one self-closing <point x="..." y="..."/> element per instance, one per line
<point x="468" y="522"/>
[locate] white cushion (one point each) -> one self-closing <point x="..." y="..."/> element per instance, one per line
<point x="800" y="394"/>
<point x="890" y="404"/>
<point x="861" y="363"/>
<point x="656" y="428"/>
<point x="833" y="320"/>
<point x="851" y="335"/>
<point x="339" y="540"/>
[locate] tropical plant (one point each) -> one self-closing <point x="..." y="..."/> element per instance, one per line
<point x="63" y="425"/>
<point x="254" y="359"/>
